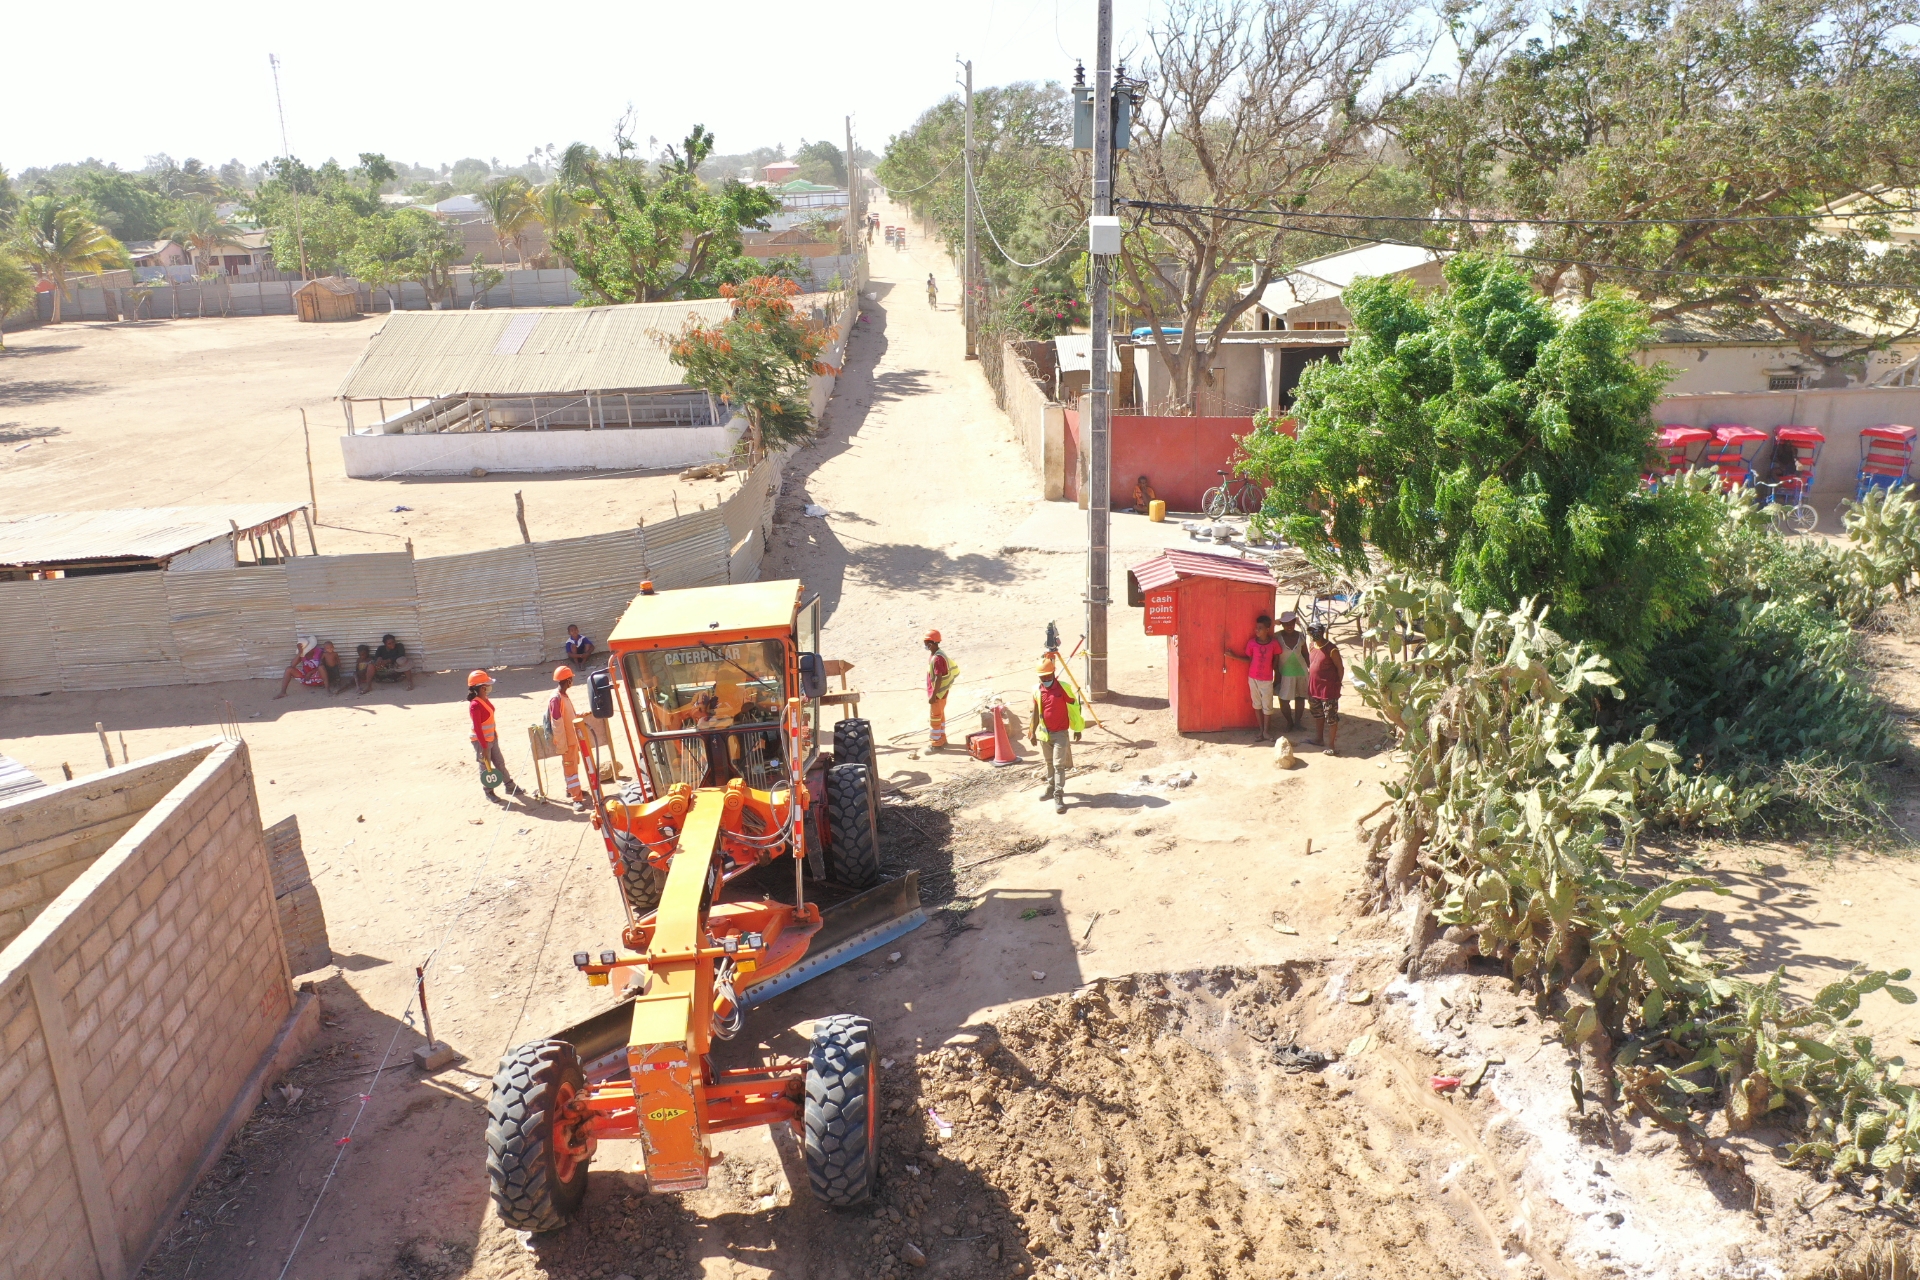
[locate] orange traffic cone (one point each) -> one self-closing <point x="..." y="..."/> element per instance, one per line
<point x="1002" y="744"/>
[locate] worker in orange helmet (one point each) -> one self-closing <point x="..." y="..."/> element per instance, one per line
<point x="486" y="736"/>
<point x="562" y="727"/>
<point x="942" y="671"/>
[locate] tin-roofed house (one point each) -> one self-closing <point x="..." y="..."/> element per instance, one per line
<point x="548" y="389"/>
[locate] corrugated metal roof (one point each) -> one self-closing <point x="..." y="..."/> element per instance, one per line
<point x="422" y="354"/>
<point x="16" y="778"/>
<point x="135" y="533"/>
<point x="1074" y="351"/>
<point x="1329" y="277"/>
<point x="1173" y="564"/>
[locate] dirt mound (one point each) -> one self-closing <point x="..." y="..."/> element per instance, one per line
<point x="1160" y="1128"/>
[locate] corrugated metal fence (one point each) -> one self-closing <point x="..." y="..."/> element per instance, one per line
<point x="509" y="605"/>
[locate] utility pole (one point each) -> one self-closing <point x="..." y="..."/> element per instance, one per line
<point x="856" y="221"/>
<point x="299" y="236"/>
<point x="969" y="313"/>
<point x="1100" y="384"/>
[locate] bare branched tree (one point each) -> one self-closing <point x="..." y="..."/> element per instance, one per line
<point x="1249" y="104"/>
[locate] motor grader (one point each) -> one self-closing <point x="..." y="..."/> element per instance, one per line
<point x="717" y="695"/>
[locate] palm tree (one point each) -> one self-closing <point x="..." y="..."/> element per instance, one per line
<point x="508" y="201"/>
<point x="201" y="228"/>
<point x="554" y="207"/>
<point x="16" y="290"/>
<point x="56" y="236"/>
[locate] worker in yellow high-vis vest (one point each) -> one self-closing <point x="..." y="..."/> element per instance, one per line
<point x="942" y="671"/>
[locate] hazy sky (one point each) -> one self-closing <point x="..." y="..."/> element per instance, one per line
<point x="430" y="83"/>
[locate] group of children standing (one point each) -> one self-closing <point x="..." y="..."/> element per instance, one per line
<point x="1307" y="673"/>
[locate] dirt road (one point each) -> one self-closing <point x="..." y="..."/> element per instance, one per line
<point x="1126" y="1127"/>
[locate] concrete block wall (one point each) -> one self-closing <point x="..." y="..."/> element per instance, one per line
<point x="46" y="844"/>
<point x="137" y="1010"/>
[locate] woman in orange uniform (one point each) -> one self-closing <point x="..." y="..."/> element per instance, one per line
<point x="486" y="735"/>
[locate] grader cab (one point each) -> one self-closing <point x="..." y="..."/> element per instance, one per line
<point x="716" y="695"/>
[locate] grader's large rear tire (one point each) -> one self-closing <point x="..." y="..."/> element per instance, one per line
<point x="842" y="1120"/>
<point x="853" y="855"/>
<point x="538" y="1180"/>
<point x="853" y="744"/>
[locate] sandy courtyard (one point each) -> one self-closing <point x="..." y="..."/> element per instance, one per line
<point x="194" y="412"/>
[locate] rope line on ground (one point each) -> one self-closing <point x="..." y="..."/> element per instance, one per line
<point x="402" y="1024"/>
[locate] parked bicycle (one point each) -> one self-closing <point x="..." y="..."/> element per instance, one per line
<point x="1791" y="512"/>
<point x="1232" y="496"/>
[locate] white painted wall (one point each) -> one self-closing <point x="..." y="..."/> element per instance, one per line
<point x="1729" y="367"/>
<point x="376" y="457"/>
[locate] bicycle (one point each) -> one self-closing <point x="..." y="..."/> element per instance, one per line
<point x="1232" y="497"/>
<point x="1794" y="517"/>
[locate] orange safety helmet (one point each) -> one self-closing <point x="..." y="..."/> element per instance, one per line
<point x="562" y="672"/>
<point x="477" y="678"/>
<point x="932" y="637"/>
<point x="1045" y="665"/>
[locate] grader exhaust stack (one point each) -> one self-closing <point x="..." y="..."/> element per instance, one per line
<point x="718" y="691"/>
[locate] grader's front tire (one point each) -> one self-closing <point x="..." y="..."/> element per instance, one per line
<point x="643" y="883"/>
<point x="842" y="1114"/>
<point x="853" y="855"/>
<point x="534" y="1161"/>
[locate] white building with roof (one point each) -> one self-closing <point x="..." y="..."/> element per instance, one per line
<point x="1308" y="297"/>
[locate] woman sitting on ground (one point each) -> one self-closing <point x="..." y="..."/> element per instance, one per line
<point x="318" y="666"/>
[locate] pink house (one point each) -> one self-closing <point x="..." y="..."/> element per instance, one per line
<point x="780" y="171"/>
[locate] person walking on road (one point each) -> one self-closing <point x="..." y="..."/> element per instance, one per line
<point x="1056" y="711"/>
<point x="563" y="727"/>
<point x="486" y="736"/>
<point x="933" y="292"/>
<point x="1260" y="654"/>
<point x="942" y="671"/>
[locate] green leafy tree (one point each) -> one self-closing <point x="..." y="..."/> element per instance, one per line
<point x="377" y="170"/>
<point x="408" y="244"/>
<point x="9" y="198"/>
<point x="661" y="233"/>
<point x="16" y="290"/>
<point x="822" y="162"/>
<point x="509" y="203"/>
<point x="1478" y="436"/>
<point x="199" y="226"/>
<point x="59" y="238"/>
<point x="325" y="210"/>
<point x="759" y="360"/>
<point x="469" y="174"/>
<point x="1722" y="135"/>
<point x="130" y="206"/>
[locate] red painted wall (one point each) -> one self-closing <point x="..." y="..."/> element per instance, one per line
<point x="1179" y="456"/>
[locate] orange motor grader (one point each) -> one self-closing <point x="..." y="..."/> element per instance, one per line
<point x="716" y="694"/>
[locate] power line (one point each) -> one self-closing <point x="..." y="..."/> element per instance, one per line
<point x="1232" y="216"/>
<point x="981" y="210"/>
<point x="1490" y="221"/>
<point x="907" y="191"/>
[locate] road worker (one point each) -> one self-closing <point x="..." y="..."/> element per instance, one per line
<point x="486" y="736"/>
<point x="942" y="671"/>
<point x="1056" y="713"/>
<point x="563" y="727"/>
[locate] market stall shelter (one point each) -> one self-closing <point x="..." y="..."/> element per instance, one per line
<point x="1205" y="606"/>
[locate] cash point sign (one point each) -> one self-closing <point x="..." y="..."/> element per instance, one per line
<point x="1163" y="611"/>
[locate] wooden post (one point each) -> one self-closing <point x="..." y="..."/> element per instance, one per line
<point x="311" y="544"/>
<point x="105" y="749"/>
<point x="124" y="757"/>
<point x="67" y="770"/>
<point x="313" y="495"/>
<point x="520" y="514"/>
<point x="409" y="548"/>
<point x="235" y="536"/>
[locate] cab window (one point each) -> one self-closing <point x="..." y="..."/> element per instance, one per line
<point x="705" y="688"/>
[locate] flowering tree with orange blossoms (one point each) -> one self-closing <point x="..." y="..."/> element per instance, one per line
<point x="758" y="360"/>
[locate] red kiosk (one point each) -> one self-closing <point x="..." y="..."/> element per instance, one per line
<point x="1204" y="605"/>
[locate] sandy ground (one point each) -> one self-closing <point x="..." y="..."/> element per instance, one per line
<point x="194" y="412"/>
<point x="1129" y="1125"/>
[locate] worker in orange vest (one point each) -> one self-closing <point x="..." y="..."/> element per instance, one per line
<point x="942" y="671"/>
<point x="562" y="727"/>
<point x="486" y="736"/>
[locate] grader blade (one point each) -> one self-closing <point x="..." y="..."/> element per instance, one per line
<point x="857" y="926"/>
<point x="849" y="931"/>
